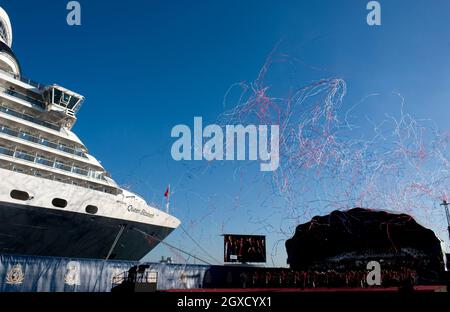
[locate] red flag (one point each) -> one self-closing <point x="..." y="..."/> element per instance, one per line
<point x="167" y="193"/>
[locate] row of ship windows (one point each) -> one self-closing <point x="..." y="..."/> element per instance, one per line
<point x="56" y="202"/>
<point x="29" y="118"/>
<point x="55" y="177"/>
<point x="53" y="163"/>
<point x="28" y="137"/>
<point x="20" y="95"/>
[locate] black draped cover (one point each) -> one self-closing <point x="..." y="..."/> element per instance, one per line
<point x="362" y="233"/>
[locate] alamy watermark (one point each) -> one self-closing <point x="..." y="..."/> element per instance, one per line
<point x="374" y="16"/>
<point x="374" y="275"/>
<point x="234" y="142"/>
<point x="74" y="15"/>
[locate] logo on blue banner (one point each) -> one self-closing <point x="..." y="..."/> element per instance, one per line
<point x="72" y="276"/>
<point x="15" y="276"/>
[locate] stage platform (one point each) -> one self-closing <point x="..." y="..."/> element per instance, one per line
<point x="421" y="289"/>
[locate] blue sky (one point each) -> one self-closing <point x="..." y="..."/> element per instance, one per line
<point x="146" y="66"/>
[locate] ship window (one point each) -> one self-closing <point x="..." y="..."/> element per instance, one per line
<point x="91" y="209"/>
<point x="65" y="98"/>
<point x="73" y="101"/>
<point x="59" y="203"/>
<point x="56" y="96"/>
<point x="20" y="195"/>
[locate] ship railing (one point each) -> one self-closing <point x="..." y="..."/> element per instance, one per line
<point x="29" y="118"/>
<point x="139" y="276"/>
<point x="119" y="278"/>
<point x="44" y="142"/>
<point x="52" y="163"/>
<point x="33" y="83"/>
<point x="22" y="96"/>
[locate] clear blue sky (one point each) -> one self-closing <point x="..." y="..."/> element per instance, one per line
<point x="145" y="66"/>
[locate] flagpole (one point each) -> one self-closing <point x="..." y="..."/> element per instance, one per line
<point x="168" y="200"/>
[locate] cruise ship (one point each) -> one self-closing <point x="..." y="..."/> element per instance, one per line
<point x="55" y="198"/>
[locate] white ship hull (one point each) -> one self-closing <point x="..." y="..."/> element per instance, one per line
<point x="36" y="227"/>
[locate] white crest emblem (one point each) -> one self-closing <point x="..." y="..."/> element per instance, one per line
<point x="15" y="276"/>
<point x="72" y="276"/>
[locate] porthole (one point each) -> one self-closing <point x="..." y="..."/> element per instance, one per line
<point x="20" y="195"/>
<point x="91" y="209"/>
<point x="59" y="203"/>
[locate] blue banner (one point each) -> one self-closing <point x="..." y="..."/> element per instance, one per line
<point x="47" y="274"/>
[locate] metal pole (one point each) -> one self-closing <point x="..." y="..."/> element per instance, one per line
<point x="122" y="227"/>
<point x="447" y="213"/>
<point x="168" y="200"/>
